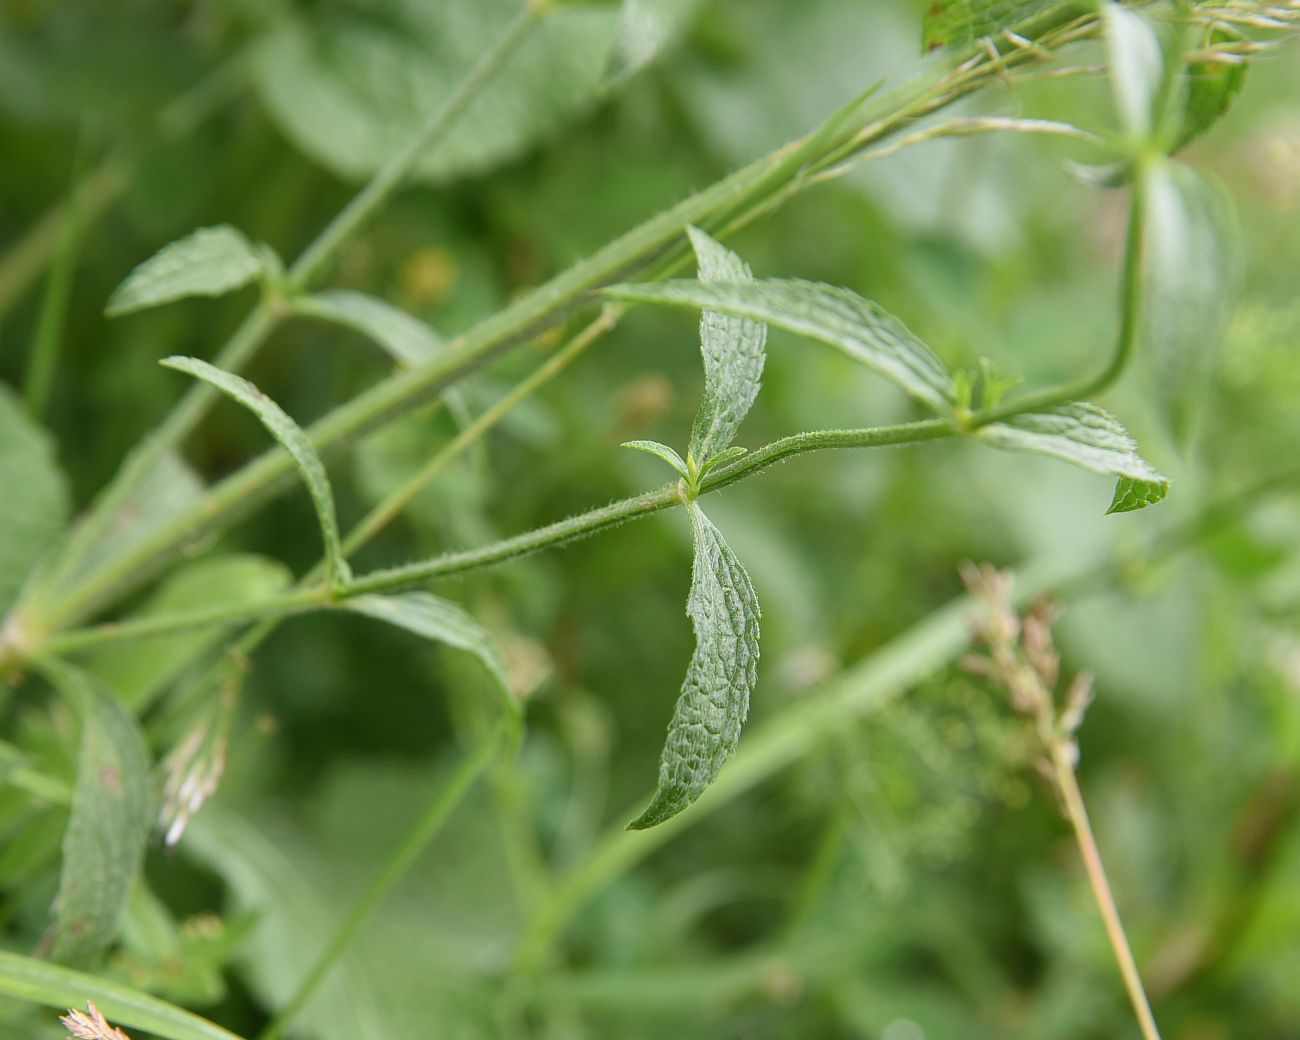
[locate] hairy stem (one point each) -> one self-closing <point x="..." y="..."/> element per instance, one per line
<point x="856" y="127"/>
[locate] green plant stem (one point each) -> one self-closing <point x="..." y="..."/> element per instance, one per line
<point x="399" y="862"/>
<point x="387" y="180"/>
<point x="858" y="126"/>
<point x="1067" y="783"/>
<point x="255" y="330"/>
<point x="1130" y="329"/>
<point x="583" y="525"/>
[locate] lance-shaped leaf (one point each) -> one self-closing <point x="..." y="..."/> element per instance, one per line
<point x="405" y="339"/>
<point x="714" y="701"/>
<point x="956" y="23"/>
<point x="1210" y="88"/>
<point x="1187" y="267"/>
<point x="112" y="815"/>
<point x="662" y="451"/>
<point x="732" y="346"/>
<point x="207" y="262"/>
<point x="294" y="440"/>
<point x="441" y="621"/>
<point x="838" y="317"/>
<point x="1085" y="435"/>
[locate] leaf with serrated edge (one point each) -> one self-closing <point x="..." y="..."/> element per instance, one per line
<point x="112" y="815"/>
<point x="838" y="317"/>
<point x="442" y="621"/>
<point x="207" y="262"/>
<point x="1131" y="494"/>
<point x="1080" y="433"/>
<point x="732" y="347"/>
<point x="662" y="451"/>
<point x="405" y="339"/>
<point x="714" y="701"/>
<point x="294" y="440"/>
<point x="1136" y="68"/>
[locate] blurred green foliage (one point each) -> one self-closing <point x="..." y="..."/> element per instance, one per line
<point x="908" y="878"/>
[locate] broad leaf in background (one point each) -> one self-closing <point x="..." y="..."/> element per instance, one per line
<point x="350" y="90"/>
<point x="34" y="507"/>
<point x="112" y="815"/>
<point x="407" y="340"/>
<point x="1136" y="69"/>
<point x="441" y="621"/>
<point x="138" y="672"/>
<point x="207" y="262"/>
<point x="1085" y="435"/>
<point x="714" y="701"/>
<point x="295" y="442"/>
<point x="835" y="316"/>
<point x="1188" y="270"/>
<point x="646" y="28"/>
<point x="732" y="348"/>
<point x="955" y="23"/>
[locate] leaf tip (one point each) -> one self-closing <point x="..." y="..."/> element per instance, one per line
<point x="1133" y="493"/>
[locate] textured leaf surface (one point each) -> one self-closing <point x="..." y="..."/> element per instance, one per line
<point x="441" y="621"/>
<point x="112" y="815"/>
<point x="714" y="701"/>
<point x="142" y="669"/>
<point x="40" y="982"/>
<point x="732" y="347"/>
<point x="835" y="316"/>
<point x="1132" y="493"/>
<point x="405" y="339"/>
<point x="1188" y="270"/>
<point x="955" y="23"/>
<point x="34" y="505"/>
<point x="206" y="262"/>
<point x="351" y="89"/>
<point x="1136" y="68"/>
<point x="295" y="442"/>
<point x="1085" y="435"/>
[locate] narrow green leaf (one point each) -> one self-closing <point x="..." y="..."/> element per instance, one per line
<point x="835" y="316"/>
<point x="207" y="262"/>
<point x="1084" y="435"/>
<point x="714" y="701"/>
<point x="645" y="29"/>
<point x="138" y="671"/>
<point x="35" y="506"/>
<point x="1187" y="267"/>
<point x="295" y="442"/>
<point x="441" y="621"/>
<point x="1211" y="88"/>
<point x="405" y="339"/>
<point x="662" y="451"/>
<point x="956" y="23"/>
<point x="732" y="347"/>
<point x="1136" y="68"/>
<point x="112" y="815"/>
<point x="40" y="982"/>
<point x="722" y="458"/>
<point x="1132" y="493"/>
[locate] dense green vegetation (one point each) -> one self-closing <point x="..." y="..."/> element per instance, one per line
<point x="337" y="651"/>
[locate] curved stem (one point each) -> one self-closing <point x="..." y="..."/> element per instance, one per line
<point x="1130" y="329"/>
<point x="562" y="532"/>
<point x="858" y="126"/>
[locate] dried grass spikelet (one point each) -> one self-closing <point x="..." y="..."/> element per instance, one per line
<point x="90" y="1025"/>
